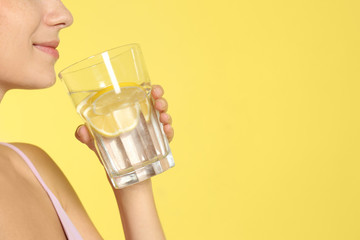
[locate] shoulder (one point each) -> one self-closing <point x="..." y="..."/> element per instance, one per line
<point x="34" y="153"/>
<point x="47" y="168"/>
<point x="41" y="160"/>
<point x="62" y="189"/>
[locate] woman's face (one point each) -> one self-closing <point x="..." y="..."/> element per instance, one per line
<point x="29" y="32"/>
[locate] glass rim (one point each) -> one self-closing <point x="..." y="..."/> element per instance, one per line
<point x="92" y="56"/>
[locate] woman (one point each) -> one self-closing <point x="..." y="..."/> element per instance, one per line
<point x="37" y="201"/>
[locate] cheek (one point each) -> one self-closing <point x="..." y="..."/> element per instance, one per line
<point x="20" y="65"/>
<point x="25" y="67"/>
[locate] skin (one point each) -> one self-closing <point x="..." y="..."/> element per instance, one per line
<point x="25" y="207"/>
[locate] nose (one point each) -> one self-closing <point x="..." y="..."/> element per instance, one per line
<point x="57" y="14"/>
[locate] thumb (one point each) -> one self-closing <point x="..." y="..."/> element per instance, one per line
<point x="83" y="134"/>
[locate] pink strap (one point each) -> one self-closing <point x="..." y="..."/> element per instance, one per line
<point x="69" y="228"/>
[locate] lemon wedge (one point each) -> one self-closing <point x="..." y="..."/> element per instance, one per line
<point x="112" y="114"/>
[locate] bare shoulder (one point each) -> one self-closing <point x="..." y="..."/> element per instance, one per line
<point x="61" y="187"/>
<point x="47" y="168"/>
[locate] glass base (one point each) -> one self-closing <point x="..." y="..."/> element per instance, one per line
<point x="143" y="173"/>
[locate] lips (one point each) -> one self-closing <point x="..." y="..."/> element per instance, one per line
<point x="49" y="48"/>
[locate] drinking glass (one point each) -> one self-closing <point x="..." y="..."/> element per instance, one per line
<point x="112" y="93"/>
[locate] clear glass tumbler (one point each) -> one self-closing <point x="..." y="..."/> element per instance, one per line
<point x="111" y="92"/>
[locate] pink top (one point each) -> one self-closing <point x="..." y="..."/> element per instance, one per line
<point x="69" y="228"/>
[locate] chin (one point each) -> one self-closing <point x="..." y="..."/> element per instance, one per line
<point x="43" y="83"/>
<point x="42" y="80"/>
<point x="31" y="75"/>
<point x="35" y="83"/>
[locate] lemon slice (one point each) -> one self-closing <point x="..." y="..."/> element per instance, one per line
<point x="84" y="104"/>
<point x="145" y="108"/>
<point x="103" y="124"/>
<point x="111" y="114"/>
<point x="109" y="88"/>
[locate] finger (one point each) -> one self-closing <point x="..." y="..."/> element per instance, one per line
<point x="165" y="118"/>
<point x="161" y="105"/>
<point x="157" y="91"/>
<point x="83" y="135"/>
<point x="169" y="132"/>
<point x="78" y="135"/>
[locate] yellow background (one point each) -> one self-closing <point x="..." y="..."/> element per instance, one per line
<point x="265" y="101"/>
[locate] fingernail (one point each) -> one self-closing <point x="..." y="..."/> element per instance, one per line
<point x="78" y="130"/>
<point x="156" y="91"/>
<point x="161" y="103"/>
<point x="159" y="91"/>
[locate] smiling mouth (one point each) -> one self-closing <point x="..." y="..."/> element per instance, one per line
<point x="51" y="50"/>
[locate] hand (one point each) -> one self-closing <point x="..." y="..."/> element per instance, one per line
<point x="83" y="135"/>
<point x="136" y="203"/>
